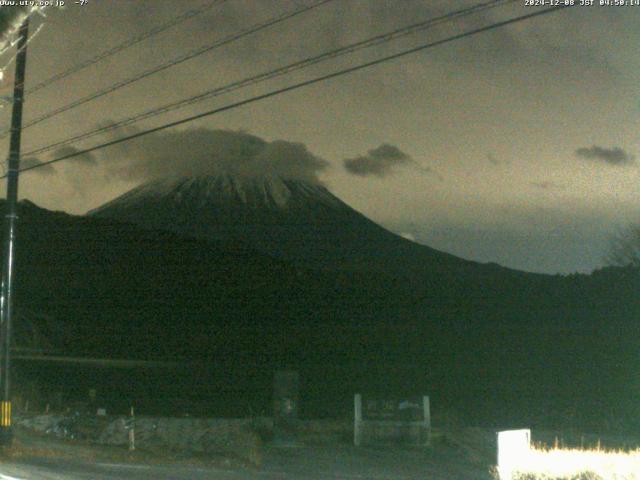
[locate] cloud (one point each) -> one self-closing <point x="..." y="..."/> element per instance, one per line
<point x="408" y="236"/>
<point x="78" y="171"/>
<point x="82" y="159"/>
<point x="33" y="162"/>
<point x="612" y="156"/>
<point x="381" y="161"/>
<point x="546" y="185"/>
<point x="492" y="159"/>
<point x="202" y="151"/>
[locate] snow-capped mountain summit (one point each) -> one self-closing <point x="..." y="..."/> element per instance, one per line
<point x="257" y="192"/>
<point x="297" y="220"/>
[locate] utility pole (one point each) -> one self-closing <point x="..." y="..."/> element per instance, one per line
<point x="6" y="294"/>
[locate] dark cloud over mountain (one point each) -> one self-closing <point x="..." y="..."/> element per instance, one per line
<point x="83" y="159"/>
<point x="611" y="156"/>
<point x="381" y="161"/>
<point x="36" y="164"/>
<point x="202" y="151"/>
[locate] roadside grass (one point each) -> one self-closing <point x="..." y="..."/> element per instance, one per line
<point x="246" y="452"/>
<point x="555" y="463"/>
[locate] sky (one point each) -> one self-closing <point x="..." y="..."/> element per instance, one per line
<point x="517" y="146"/>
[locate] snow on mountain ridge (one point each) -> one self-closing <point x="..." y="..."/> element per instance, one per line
<point x="273" y="192"/>
<point x="296" y="220"/>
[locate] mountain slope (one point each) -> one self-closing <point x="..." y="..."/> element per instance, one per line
<point x="305" y="225"/>
<point x="292" y="219"/>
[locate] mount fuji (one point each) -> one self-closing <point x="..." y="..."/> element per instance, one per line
<point x="296" y="220"/>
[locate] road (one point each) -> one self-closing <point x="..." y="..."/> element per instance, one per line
<point x="312" y="463"/>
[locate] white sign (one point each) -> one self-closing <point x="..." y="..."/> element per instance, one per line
<point x="513" y="447"/>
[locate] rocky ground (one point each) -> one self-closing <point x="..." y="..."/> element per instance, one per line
<point x="233" y="448"/>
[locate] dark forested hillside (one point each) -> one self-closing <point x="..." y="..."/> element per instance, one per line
<point x="513" y="339"/>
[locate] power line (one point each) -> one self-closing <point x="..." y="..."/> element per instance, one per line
<point x="125" y="45"/>
<point x="367" y="43"/>
<point x="296" y="86"/>
<point x="183" y="58"/>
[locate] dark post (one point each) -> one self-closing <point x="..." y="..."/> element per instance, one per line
<point x="6" y="298"/>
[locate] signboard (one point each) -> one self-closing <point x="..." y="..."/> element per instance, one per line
<point x="513" y="447"/>
<point x="397" y="421"/>
<point x="408" y="410"/>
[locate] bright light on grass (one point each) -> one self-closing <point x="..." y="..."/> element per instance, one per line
<point x="560" y="464"/>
